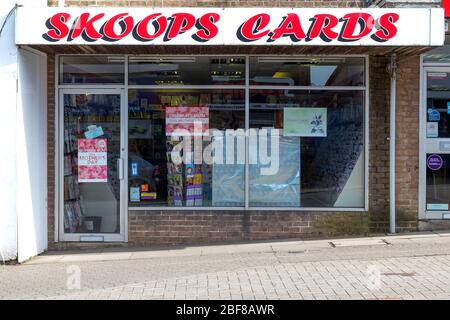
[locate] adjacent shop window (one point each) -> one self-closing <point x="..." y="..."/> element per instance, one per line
<point x="438" y="55"/>
<point x="184" y="70"/>
<point x="438" y="182"/>
<point x="317" y="158"/>
<point x="197" y="123"/>
<point x="92" y="69"/>
<point x="297" y="71"/>
<point x="438" y="105"/>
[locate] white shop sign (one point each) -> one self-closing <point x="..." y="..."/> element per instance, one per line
<point x="231" y="26"/>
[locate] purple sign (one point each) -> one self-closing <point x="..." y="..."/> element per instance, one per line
<point x="434" y="162"/>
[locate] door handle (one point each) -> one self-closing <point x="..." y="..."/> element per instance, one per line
<point x="120" y="168"/>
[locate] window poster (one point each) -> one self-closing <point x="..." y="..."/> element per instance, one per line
<point x="94" y="132"/>
<point x="281" y="188"/>
<point x="227" y="187"/>
<point x="184" y="117"/>
<point x="135" y="195"/>
<point x="432" y="129"/>
<point x="433" y="115"/>
<point x="92" y="160"/>
<point x="305" y="122"/>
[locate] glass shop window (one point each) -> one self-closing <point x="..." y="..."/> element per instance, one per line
<point x="438" y="187"/>
<point x="99" y="69"/>
<point x="163" y="71"/>
<point x="314" y="154"/>
<point x="438" y="105"/>
<point x="438" y="55"/>
<point x="180" y="142"/>
<point x="305" y="71"/>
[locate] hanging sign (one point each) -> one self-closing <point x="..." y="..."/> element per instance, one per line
<point x="92" y="160"/>
<point x="231" y="26"/>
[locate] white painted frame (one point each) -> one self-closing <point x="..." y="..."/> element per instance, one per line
<point x="427" y="145"/>
<point x="106" y="237"/>
<point x="247" y="87"/>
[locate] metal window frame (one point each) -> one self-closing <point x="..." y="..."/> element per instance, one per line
<point x="246" y="87"/>
<point x="123" y="214"/>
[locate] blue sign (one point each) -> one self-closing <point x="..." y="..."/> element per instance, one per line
<point x="434" y="115"/>
<point x="134" y="169"/>
<point x="448" y="107"/>
<point x="437" y="206"/>
<point x="94" y="132"/>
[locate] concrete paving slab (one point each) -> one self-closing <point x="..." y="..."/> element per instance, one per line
<point x="44" y="259"/>
<point x="443" y="233"/>
<point x="409" y="235"/>
<point x="436" y="238"/>
<point x="394" y="240"/>
<point x="165" y="253"/>
<point x="208" y="250"/>
<point x="302" y="247"/>
<point x="83" y="257"/>
<point x="358" y="242"/>
<point x="109" y="256"/>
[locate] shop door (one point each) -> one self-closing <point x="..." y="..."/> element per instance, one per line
<point x="435" y="145"/>
<point x="92" y="153"/>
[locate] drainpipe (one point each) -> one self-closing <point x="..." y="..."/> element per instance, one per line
<point x="393" y="74"/>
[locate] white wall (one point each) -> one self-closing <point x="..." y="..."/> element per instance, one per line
<point x="31" y="155"/>
<point x="8" y="103"/>
<point x="23" y="175"/>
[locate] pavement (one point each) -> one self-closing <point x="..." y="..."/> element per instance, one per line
<point x="409" y="266"/>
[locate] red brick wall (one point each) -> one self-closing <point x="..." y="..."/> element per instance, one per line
<point x="407" y="144"/>
<point x="379" y="145"/>
<point x="169" y="227"/>
<point x="172" y="227"/>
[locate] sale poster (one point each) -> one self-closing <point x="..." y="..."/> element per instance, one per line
<point x="180" y="120"/>
<point x="92" y="160"/>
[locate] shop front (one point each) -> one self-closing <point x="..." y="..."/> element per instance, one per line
<point x="208" y="124"/>
<point x="214" y="133"/>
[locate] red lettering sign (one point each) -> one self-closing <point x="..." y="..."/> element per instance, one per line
<point x="350" y="27"/>
<point x="446" y="6"/>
